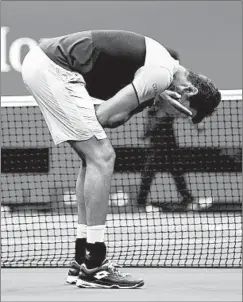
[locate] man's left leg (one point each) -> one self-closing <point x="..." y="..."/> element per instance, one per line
<point x="81" y="239"/>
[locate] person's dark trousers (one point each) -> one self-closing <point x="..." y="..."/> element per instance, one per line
<point x="163" y="148"/>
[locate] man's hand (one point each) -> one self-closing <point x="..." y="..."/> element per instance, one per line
<point x="172" y="98"/>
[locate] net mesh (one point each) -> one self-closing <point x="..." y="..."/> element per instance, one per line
<point x="160" y="162"/>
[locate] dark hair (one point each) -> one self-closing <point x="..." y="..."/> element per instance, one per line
<point x="207" y="98"/>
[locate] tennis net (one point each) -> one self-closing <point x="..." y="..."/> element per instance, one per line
<point x="159" y="162"/>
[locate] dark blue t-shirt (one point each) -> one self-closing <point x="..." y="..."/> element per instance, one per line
<point x="107" y="59"/>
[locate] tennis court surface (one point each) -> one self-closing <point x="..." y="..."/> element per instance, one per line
<point x="161" y="284"/>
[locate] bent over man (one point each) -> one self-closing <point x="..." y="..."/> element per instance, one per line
<point x="86" y="81"/>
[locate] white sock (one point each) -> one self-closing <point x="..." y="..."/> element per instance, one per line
<point x="95" y="233"/>
<point x="82" y="231"/>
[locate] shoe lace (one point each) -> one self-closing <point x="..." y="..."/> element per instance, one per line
<point x="113" y="267"/>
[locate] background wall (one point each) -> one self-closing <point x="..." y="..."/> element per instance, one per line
<point x="207" y="34"/>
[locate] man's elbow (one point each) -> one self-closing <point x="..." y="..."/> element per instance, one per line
<point x="113" y="121"/>
<point x="113" y="124"/>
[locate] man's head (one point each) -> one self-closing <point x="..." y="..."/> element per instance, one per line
<point x="198" y="93"/>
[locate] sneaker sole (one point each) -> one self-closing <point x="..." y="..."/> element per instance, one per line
<point x="85" y="284"/>
<point x="71" y="279"/>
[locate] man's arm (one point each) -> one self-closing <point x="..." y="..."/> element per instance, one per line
<point x="148" y="84"/>
<point x="118" y="109"/>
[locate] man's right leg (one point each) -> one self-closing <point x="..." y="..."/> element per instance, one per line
<point x="81" y="239"/>
<point x="99" y="157"/>
<point x="96" y="271"/>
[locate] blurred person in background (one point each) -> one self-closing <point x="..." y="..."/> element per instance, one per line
<point x="163" y="150"/>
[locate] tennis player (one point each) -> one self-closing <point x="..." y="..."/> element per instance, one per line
<point x="86" y="81"/>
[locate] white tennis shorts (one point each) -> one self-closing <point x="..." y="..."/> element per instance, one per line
<point x="67" y="107"/>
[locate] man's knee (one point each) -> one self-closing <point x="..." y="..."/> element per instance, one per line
<point x="104" y="159"/>
<point x="98" y="153"/>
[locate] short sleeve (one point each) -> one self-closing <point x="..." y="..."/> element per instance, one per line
<point x="150" y="81"/>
